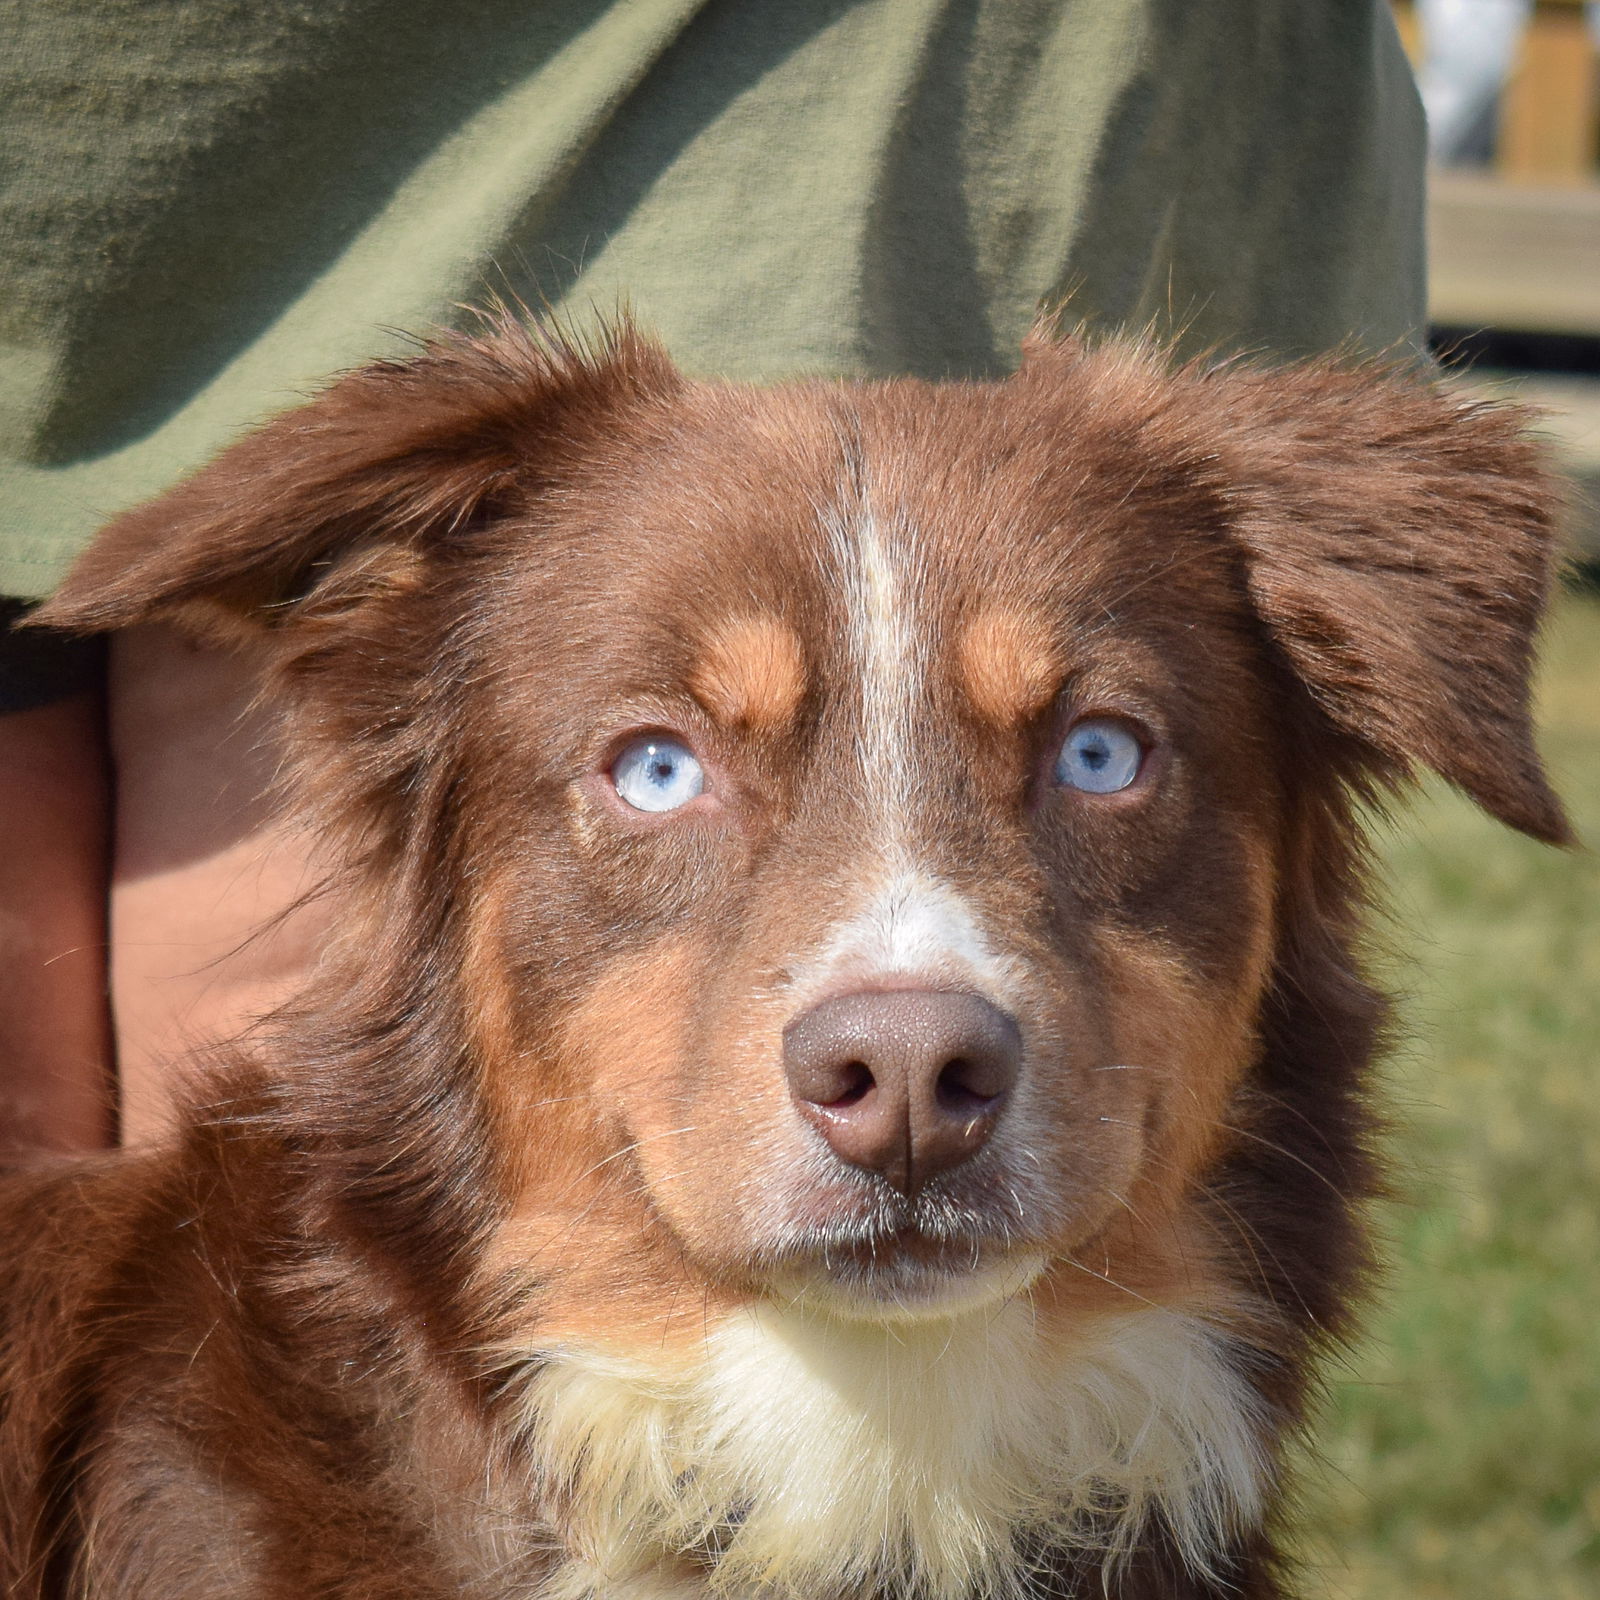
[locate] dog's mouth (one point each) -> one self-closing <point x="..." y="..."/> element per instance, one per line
<point x="908" y="1286"/>
<point x="915" y="1267"/>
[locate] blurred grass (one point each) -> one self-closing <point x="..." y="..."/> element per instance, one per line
<point x="1460" y="1452"/>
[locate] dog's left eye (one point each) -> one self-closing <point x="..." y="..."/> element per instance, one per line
<point x="1099" y="756"/>
<point x="657" y="774"/>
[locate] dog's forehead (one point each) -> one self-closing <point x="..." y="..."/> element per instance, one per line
<point x="755" y="536"/>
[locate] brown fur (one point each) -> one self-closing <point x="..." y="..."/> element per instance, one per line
<point x="533" y="1096"/>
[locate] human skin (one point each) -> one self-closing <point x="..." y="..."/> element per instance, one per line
<point x="186" y="875"/>
<point x="55" y="1029"/>
<point x="206" y="933"/>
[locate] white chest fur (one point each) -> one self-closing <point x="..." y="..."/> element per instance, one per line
<point x="803" y="1457"/>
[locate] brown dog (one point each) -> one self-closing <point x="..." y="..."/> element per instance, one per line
<point x="843" y="1075"/>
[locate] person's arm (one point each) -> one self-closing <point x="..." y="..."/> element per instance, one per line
<point x="56" y="1089"/>
<point x="207" y="929"/>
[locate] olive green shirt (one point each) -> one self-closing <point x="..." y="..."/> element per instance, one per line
<point x="208" y="205"/>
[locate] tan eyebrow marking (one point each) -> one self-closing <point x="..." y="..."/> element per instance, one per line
<point x="1011" y="664"/>
<point x="750" y="672"/>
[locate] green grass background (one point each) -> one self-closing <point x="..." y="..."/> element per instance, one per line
<point x="1459" y="1456"/>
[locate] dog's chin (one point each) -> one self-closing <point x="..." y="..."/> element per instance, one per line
<point x="920" y="1284"/>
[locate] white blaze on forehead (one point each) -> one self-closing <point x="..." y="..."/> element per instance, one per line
<point x="877" y="564"/>
<point x="909" y="922"/>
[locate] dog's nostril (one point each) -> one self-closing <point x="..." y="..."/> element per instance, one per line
<point x="857" y="1084"/>
<point x="961" y="1088"/>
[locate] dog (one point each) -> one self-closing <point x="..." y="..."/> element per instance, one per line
<point x="842" y="1074"/>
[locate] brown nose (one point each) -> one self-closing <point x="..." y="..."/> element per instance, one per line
<point x="908" y="1082"/>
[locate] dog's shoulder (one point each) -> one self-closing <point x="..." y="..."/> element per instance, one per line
<point x="63" y="1227"/>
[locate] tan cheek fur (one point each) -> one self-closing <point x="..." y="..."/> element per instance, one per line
<point x="580" y="1233"/>
<point x="1197" y="1038"/>
<point x="1009" y="663"/>
<point x="751" y="673"/>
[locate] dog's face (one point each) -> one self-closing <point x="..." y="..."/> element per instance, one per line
<point x="876" y="813"/>
<point x="858" y="823"/>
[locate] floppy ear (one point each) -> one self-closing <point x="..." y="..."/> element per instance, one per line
<point x="350" y="496"/>
<point x="1399" y="545"/>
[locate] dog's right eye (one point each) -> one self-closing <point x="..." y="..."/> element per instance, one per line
<point x="656" y="773"/>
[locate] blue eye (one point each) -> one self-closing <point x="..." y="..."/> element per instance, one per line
<point x="657" y="774"/>
<point x="1099" y="756"/>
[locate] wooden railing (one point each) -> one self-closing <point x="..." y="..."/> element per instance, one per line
<point x="1550" y="112"/>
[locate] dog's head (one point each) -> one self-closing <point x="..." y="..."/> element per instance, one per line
<point x="848" y="841"/>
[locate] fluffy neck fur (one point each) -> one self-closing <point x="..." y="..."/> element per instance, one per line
<point x="802" y="1457"/>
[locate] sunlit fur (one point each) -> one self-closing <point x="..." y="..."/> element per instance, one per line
<point x="819" y="1458"/>
<point x="505" y="1266"/>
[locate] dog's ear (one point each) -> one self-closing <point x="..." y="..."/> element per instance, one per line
<point x="353" y="494"/>
<point x="1399" y="543"/>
